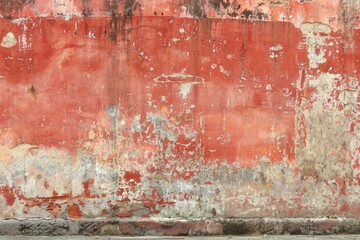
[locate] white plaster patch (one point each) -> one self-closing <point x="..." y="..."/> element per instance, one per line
<point x="326" y="148"/>
<point x="315" y="42"/>
<point x="224" y="71"/>
<point x="185" y="89"/>
<point x="9" y="40"/>
<point x="91" y="35"/>
<point x="277" y="47"/>
<point x="182" y="30"/>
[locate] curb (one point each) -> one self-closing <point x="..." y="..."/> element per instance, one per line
<point x="180" y="227"/>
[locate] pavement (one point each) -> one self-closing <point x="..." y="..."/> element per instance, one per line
<point x="265" y="237"/>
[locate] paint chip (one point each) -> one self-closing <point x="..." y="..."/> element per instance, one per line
<point x="185" y="89"/>
<point x="9" y="40"/>
<point x="277" y="47"/>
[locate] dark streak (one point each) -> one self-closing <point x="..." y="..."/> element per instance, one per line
<point x="224" y="6"/>
<point x="218" y="4"/>
<point x="112" y="7"/>
<point x="253" y="15"/>
<point x="129" y="7"/>
<point x="87" y="11"/>
<point x="32" y="90"/>
<point x="9" y="8"/>
<point x="194" y="7"/>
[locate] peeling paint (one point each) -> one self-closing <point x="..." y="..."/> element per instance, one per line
<point x="179" y="109"/>
<point x="9" y="40"/>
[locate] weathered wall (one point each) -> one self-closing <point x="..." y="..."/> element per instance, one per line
<point x="188" y="108"/>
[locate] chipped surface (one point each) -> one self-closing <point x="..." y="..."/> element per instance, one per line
<point x="8" y="40"/>
<point x="179" y="109"/>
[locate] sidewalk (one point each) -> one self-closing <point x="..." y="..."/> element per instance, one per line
<point x="293" y="237"/>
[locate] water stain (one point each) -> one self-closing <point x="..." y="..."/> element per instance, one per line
<point x="194" y="8"/>
<point x="10" y="8"/>
<point x="87" y="11"/>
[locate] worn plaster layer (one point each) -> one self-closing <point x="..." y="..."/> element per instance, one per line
<point x="120" y="111"/>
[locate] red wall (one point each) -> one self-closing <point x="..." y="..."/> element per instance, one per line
<point x="149" y="108"/>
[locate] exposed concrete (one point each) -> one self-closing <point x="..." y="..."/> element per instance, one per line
<point x="177" y="227"/>
<point x="297" y="237"/>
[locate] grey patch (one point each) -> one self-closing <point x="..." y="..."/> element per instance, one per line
<point x="195" y="8"/>
<point x="349" y="14"/>
<point x="110" y="229"/>
<point x="253" y="15"/>
<point x="136" y="125"/>
<point x="129" y="8"/>
<point x="324" y="154"/>
<point x="74" y="228"/>
<point x="10" y="227"/>
<point x="223" y="7"/>
<point x="113" y="113"/>
<point x="142" y="211"/>
<point x="237" y="226"/>
<point x="160" y="124"/>
<point x="51" y="227"/>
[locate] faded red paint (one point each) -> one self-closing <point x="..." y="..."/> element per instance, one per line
<point x="179" y="109"/>
<point x="74" y="212"/>
<point x="132" y="178"/>
<point x="8" y="194"/>
<point x="54" y="209"/>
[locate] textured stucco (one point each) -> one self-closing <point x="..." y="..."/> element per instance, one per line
<point x="179" y="109"/>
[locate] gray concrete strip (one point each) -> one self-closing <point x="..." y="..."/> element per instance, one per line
<point x="268" y="237"/>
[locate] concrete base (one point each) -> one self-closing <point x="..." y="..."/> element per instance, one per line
<point x="180" y="227"/>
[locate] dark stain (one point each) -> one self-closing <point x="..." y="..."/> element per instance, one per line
<point x="223" y="7"/>
<point x="253" y="15"/>
<point x="87" y="11"/>
<point x="194" y="7"/>
<point x="129" y="8"/>
<point x="112" y="7"/>
<point x="32" y="90"/>
<point x="238" y="228"/>
<point x="9" y="8"/>
<point x="119" y="20"/>
<point x="218" y="4"/>
<point x="348" y="15"/>
<point x="262" y="178"/>
<point x="114" y="22"/>
<point x="213" y="212"/>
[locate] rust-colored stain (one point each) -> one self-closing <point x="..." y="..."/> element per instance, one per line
<point x="146" y="108"/>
